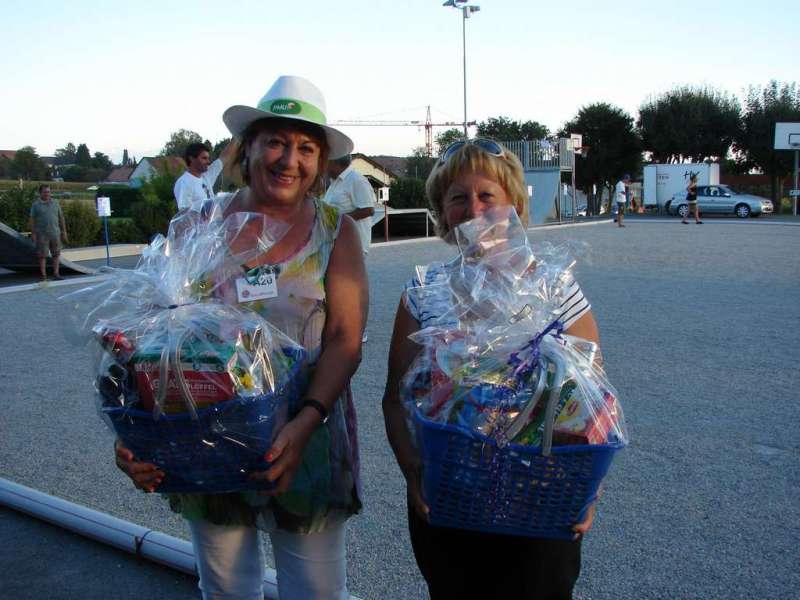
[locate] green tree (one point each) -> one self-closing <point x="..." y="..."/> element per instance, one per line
<point x="444" y="139"/>
<point x="419" y="164"/>
<point x="125" y="159"/>
<point x="407" y="192"/>
<point x="613" y="146"/>
<point x="102" y="162"/>
<point x="219" y="147"/>
<point x="82" y="156"/>
<point x="6" y="168"/>
<point x="66" y="155"/>
<point x="763" y="107"/>
<point x="75" y="173"/>
<point x="504" y="129"/>
<point x="178" y="140"/>
<point x="28" y="165"/>
<point x="689" y="123"/>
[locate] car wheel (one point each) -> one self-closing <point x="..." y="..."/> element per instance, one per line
<point x="683" y="210"/>
<point x="742" y="211"/>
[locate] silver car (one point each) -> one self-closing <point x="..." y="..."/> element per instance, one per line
<point x="720" y="199"/>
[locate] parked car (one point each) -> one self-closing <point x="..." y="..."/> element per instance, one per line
<point x="580" y="211"/>
<point x="720" y="199"/>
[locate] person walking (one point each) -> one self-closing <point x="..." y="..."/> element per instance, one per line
<point x="48" y="230"/>
<point x="691" y="198"/>
<point x="621" y="197"/>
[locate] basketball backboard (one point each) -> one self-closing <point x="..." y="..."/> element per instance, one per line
<point x="787" y="136"/>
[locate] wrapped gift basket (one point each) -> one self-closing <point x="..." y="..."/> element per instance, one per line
<point x="193" y="385"/>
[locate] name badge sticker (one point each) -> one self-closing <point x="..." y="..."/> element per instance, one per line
<point x="257" y="284"/>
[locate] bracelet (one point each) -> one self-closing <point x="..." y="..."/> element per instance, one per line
<point x="318" y="406"/>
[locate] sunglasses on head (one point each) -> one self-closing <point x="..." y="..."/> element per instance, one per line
<point x="485" y="144"/>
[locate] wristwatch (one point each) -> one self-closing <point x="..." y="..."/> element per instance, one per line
<point x="316" y="405"/>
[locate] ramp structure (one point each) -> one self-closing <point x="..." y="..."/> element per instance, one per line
<point x="18" y="253"/>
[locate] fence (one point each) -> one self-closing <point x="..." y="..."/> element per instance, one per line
<point x="543" y="155"/>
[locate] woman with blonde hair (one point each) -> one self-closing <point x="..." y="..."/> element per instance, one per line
<point x="473" y="176"/>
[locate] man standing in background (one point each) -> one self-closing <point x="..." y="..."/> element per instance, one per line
<point x="48" y="229"/>
<point x="197" y="183"/>
<point x="352" y="194"/>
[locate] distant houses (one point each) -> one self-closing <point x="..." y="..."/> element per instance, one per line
<point x="376" y="173"/>
<point x="145" y="169"/>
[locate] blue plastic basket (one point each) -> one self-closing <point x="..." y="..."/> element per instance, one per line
<point x="471" y="483"/>
<point x="216" y="452"/>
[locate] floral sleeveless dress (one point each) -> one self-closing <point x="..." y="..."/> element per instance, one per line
<point x="326" y="489"/>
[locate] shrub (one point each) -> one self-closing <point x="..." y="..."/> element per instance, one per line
<point x="83" y="224"/>
<point x="121" y="231"/>
<point x="122" y="198"/>
<point x="151" y="216"/>
<point x="15" y="206"/>
<point x="153" y="213"/>
<point x="408" y="192"/>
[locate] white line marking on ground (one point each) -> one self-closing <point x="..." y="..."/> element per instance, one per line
<point x="28" y="287"/>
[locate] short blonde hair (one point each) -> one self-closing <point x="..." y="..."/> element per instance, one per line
<point x="505" y="170"/>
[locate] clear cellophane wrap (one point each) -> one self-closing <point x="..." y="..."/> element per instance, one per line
<point x="196" y="386"/>
<point x="495" y="359"/>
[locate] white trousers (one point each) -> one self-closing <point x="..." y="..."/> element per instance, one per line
<point x="230" y="562"/>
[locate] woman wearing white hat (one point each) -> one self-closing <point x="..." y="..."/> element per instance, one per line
<point x="322" y="302"/>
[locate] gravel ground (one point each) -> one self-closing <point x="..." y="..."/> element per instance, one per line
<point x="699" y="329"/>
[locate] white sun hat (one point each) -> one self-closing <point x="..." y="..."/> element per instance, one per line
<point x="290" y="97"/>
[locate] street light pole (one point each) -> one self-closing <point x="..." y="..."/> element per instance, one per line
<point x="464" y="54"/>
<point x="466" y="12"/>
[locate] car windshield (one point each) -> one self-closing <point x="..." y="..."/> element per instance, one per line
<point x="727" y="188"/>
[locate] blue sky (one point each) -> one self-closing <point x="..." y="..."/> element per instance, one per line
<point x="125" y="75"/>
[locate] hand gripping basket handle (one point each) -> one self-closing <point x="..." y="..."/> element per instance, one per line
<point x="552" y="401"/>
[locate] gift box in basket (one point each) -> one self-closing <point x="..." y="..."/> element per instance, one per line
<point x="515" y="422"/>
<point x="193" y="385"/>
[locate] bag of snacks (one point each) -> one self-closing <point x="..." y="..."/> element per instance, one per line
<point x="193" y="385"/>
<point x="515" y="421"/>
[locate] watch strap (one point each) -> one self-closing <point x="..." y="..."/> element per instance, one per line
<point x="318" y="406"/>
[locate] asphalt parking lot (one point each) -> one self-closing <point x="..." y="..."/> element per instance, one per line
<point x="700" y="328"/>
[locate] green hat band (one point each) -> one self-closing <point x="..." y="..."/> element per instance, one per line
<point x="290" y="107"/>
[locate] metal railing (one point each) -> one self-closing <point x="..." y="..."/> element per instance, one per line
<point x="543" y="154"/>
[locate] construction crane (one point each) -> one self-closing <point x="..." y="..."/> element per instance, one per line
<point x="428" y="124"/>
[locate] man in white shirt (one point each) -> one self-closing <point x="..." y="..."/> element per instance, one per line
<point x="197" y="183"/>
<point x="351" y="193"/>
<point x="621" y="197"/>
